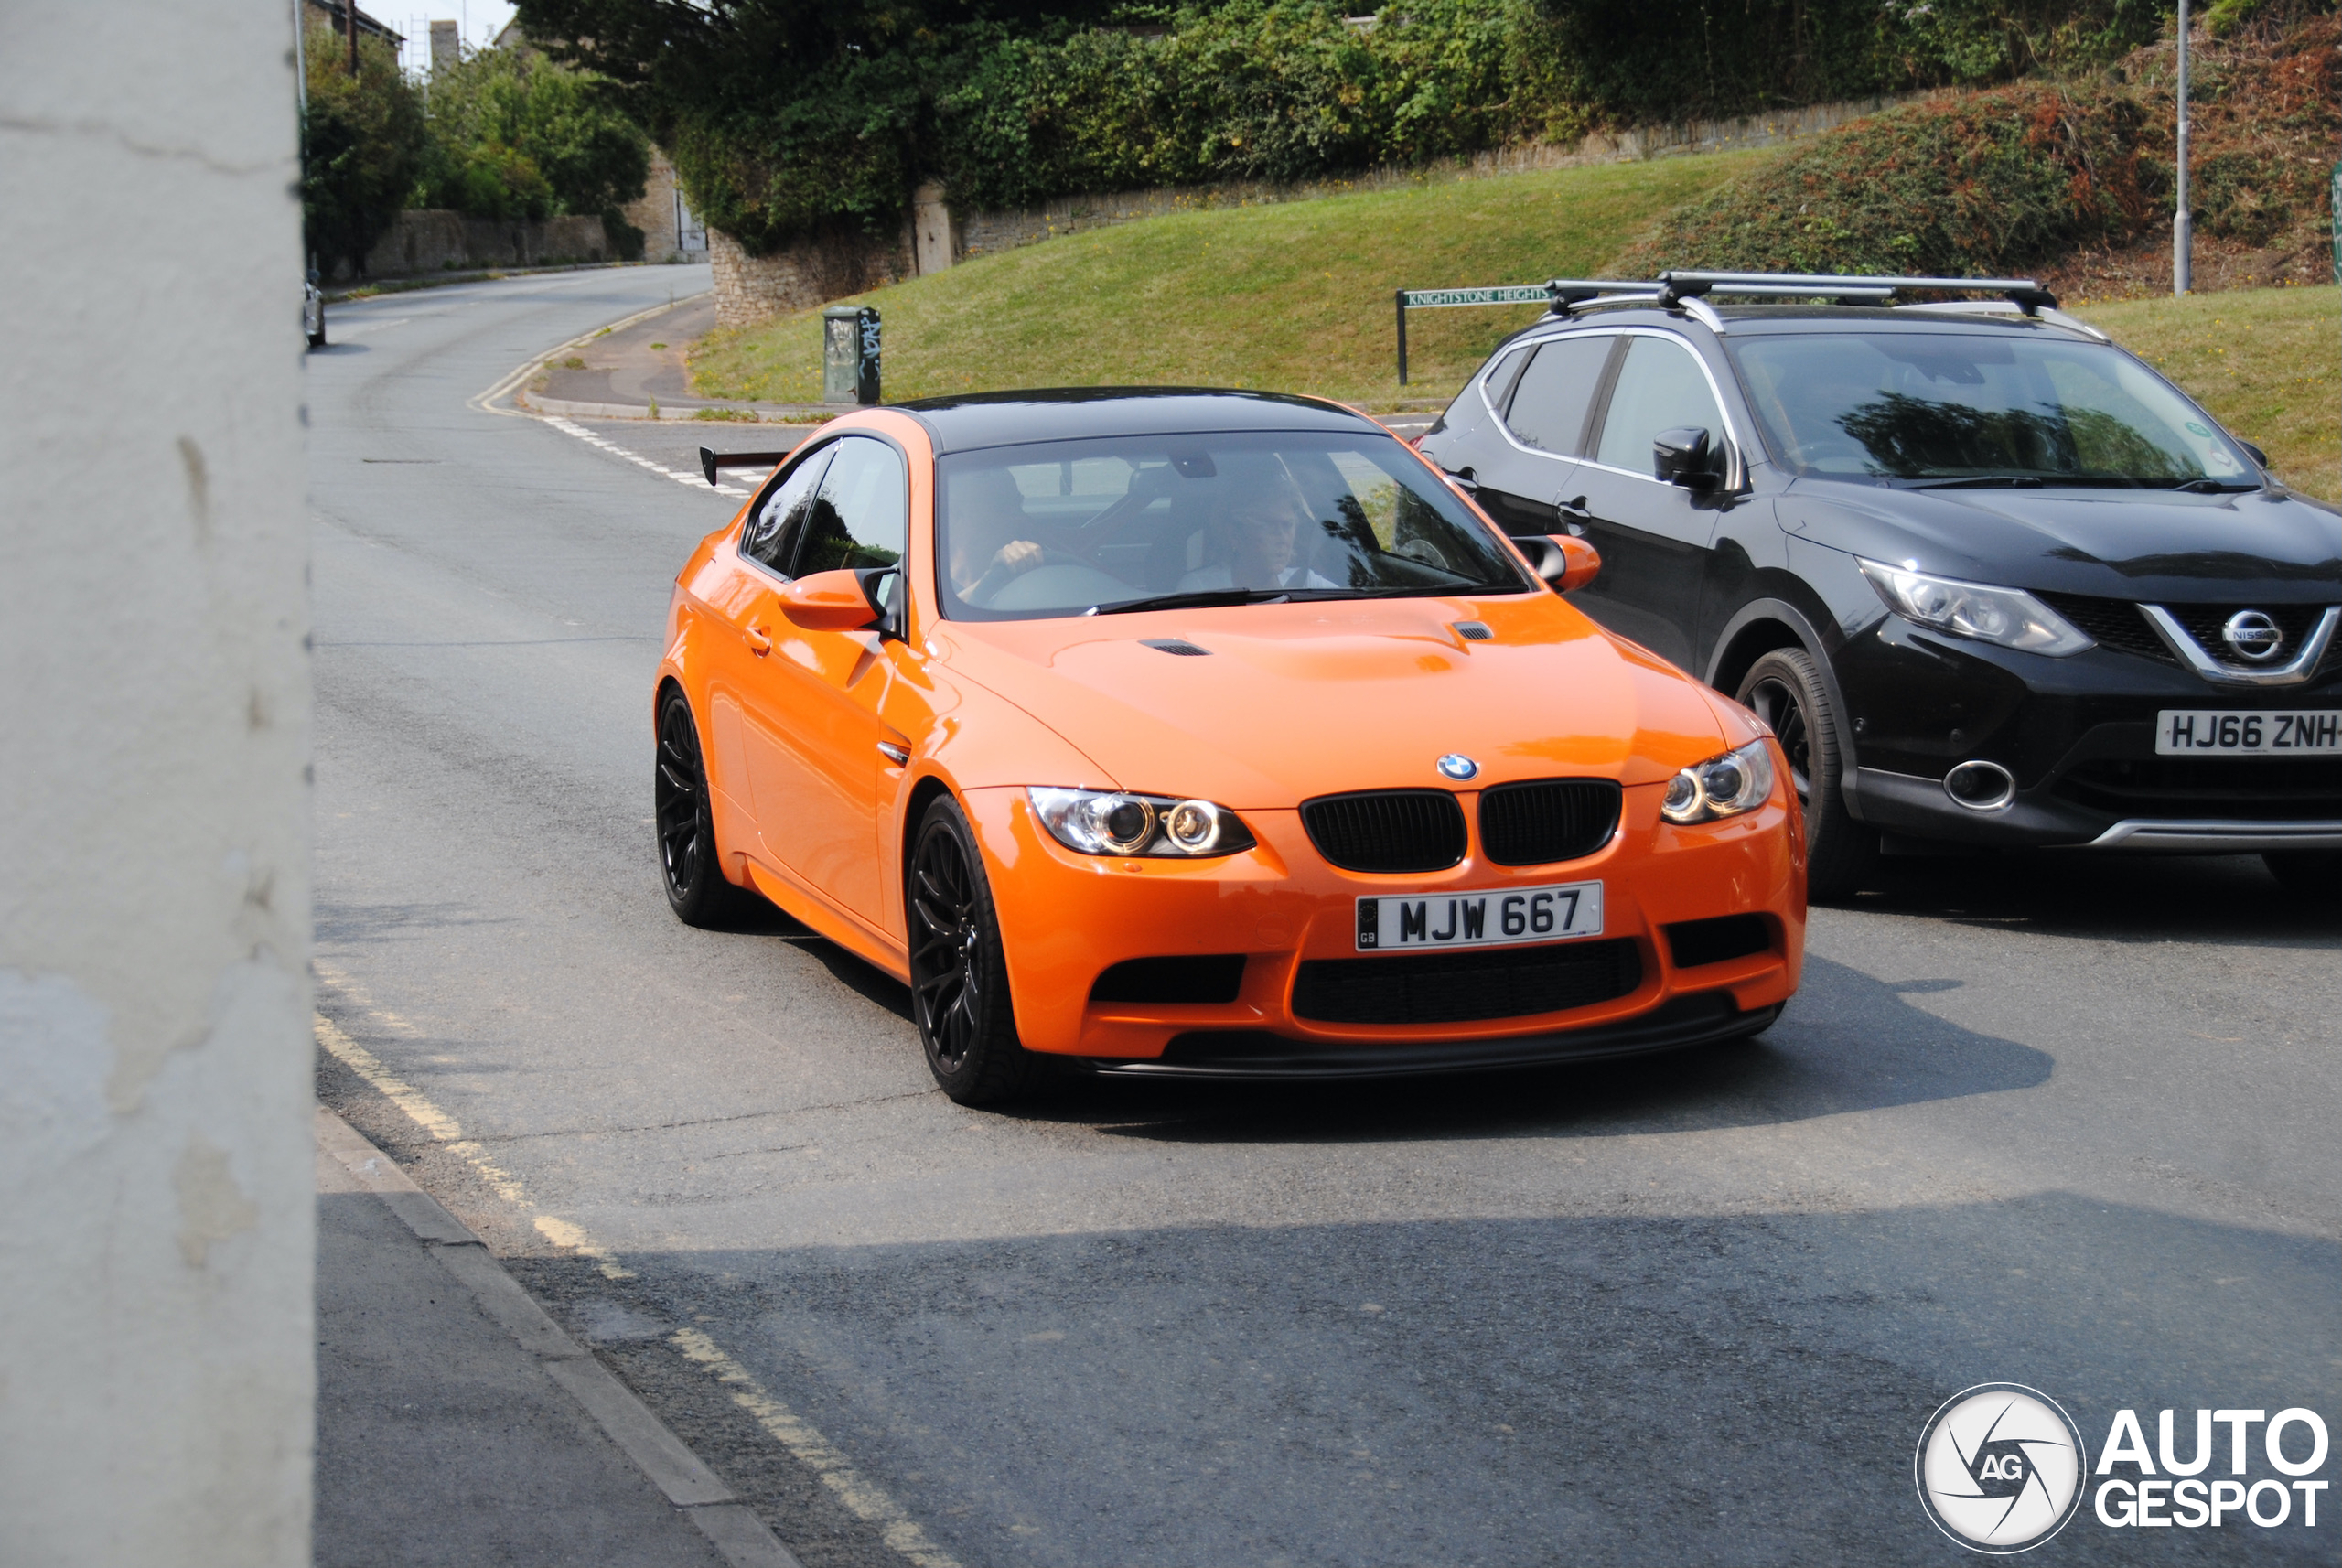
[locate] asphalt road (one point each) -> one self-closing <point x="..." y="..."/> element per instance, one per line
<point x="2058" y="1121"/>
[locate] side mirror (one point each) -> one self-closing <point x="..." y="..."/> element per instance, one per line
<point x="1563" y="560"/>
<point x="882" y="586"/>
<point x="2255" y="453"/>
<point x="1684" y="456"/>
<point x="829" y="601"/>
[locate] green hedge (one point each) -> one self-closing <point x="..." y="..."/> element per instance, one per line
<point x="788" y="118"/>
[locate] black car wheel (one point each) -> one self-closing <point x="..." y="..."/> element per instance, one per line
<point x="696" y="889"/>
<point x="1784" y="688"/>
<point x="959" y="977"/>
<point x="2307" y="872"/>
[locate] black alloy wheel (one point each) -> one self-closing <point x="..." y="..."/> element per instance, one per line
<point x="2314" y="874"/>
<point x="1784" y="688"/>
<point x="688" y="864"/>
<point x="959" y="977"/>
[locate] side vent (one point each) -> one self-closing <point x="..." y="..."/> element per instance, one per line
<point x="1473" y="632"/>
<point x="1179" y="646"/>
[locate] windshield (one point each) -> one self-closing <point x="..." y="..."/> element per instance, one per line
<point x="1976" y="406"/>
<point x="1068" y="528"/>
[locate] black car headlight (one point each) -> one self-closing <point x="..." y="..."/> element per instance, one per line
<point x="2010" y="617"/>
<point x="1722" y="785"/>
<point x="1117" y="822"/>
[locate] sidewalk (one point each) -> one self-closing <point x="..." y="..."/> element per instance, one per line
<point x="458" y="1424"/>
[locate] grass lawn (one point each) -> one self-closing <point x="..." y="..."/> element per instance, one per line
<point x="2266" y="361"/>
<point x="1290" y="297"/>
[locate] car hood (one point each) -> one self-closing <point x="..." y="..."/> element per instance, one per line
<point x="2131" y="544"/>
<point x="1293" y="701"/>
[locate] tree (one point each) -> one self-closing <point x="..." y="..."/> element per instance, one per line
<point x="514" y="134"/>
<point x="361" y="145"/>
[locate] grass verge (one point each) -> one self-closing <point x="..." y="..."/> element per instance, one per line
<point x="1293" y="296"/>
<point x="2266" y="361"/>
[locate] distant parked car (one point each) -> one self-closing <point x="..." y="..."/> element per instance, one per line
<point x="313" y="312"/>
<point x="1991" y="579"/>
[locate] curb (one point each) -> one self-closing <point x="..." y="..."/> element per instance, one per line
<point x="681" y="1476"/>
<point x="491" y="400"/>
<point x="682" y="412"/>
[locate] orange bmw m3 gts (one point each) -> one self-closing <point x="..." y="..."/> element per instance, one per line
<point x="1206" y="734"/>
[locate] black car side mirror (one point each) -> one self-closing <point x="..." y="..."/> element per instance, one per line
<point x="1683" y="457"/>
<point x="2255" y="453"/>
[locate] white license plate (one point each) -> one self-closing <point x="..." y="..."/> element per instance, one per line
<point x="2218" y="732"/>
<point x="1493" y="917"/>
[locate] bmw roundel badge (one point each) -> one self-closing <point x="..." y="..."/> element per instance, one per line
<point x="1459" y="767"/>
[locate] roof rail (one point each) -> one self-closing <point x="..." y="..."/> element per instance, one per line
<point x="2026" y="293"/>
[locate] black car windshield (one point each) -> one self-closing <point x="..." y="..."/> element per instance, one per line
<point x="1067" y="528"/>
<point x="1978" y="407"/>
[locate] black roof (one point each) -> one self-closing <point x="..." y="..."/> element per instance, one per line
<point x="1072" y="413"/>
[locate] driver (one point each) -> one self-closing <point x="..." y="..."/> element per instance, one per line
<point x="987" y="521"/>
<point x="1259" y="537"/>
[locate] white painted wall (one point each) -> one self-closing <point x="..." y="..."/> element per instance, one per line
<point x="156" y="1211"/>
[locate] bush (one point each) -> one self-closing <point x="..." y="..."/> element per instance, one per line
<point x="362" y="140"/>
<point x="2002" y="181"/>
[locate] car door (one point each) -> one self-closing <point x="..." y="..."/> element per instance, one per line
<point x="738" y="590"/>
<point x="1653" y="536"/>
<point x="1529" y="462"/>
<point x="814" y="759"/>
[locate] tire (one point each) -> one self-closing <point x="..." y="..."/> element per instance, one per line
<point x="689" y="866"/>
<point x="1786" y="689"/>
<point x="2308" y="874"/>
<point x="958" y="973"/>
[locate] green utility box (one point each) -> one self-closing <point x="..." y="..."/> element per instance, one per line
<point x="850" y="354"/>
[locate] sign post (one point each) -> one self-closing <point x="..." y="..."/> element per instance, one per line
<point x="1447" y="298"/>
<point x="2183" y="228"/>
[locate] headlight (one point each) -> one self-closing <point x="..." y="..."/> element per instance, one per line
<point x="1722" y="785"/>
<point x="1102" y="823"/>
<point x="2009" y="617"/>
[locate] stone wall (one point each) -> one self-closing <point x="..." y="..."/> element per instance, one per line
<point x="430" y="242"/>
<point x="749" y="289"/>
<point x="656" y="213"/>
<point x="753" y="288"/>
<point x="978" y="234"/>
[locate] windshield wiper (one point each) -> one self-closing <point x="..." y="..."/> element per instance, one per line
<point x="2213" y="486"/>
<point x="1201" y="597"/>
<point x="1983" y="482"/>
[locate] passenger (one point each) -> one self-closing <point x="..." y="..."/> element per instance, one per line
<point x="1261" y="538"/>
<point x="986" y="521"/>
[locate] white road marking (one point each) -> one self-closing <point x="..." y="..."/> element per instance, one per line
<point x="695" y="480"/>
<point x="811" y="1449"/>
<point x="864" y="1498"/>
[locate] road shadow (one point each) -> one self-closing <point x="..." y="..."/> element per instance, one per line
<point x="1623" y="1387"/>
<point x="2136" y="899"/>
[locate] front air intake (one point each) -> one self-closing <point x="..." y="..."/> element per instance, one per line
<point x="1388" y="830"/>
<point x="1544" y="820"/>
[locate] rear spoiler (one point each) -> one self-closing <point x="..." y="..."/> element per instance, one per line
<point x="710" y="461"/>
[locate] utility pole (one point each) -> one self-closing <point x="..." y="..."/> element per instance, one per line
<point x="2183" y="229"/>
<point x="349" y="22"/>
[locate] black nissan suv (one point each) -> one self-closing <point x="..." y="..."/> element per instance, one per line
<point x="1991" y="580"/>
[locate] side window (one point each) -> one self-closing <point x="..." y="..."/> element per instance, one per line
<point x="1548" y="408"/>
<point x="1659" y="387"/>
<point x="862" y="514"/>
<point x="771" y="534"/>
<point x="1497" y="382"/>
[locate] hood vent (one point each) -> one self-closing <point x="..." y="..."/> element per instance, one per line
<point x="1177" y="645"/>
<point x="1473" y="632"/>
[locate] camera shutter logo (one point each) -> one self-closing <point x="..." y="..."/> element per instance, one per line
<point x="1999" y="1468"/>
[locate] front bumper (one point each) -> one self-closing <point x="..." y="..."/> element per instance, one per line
<point x="2078" y="737"/>
<point x="1067" y="919"/>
